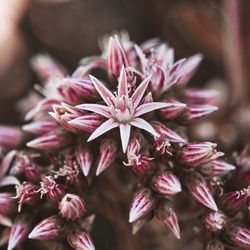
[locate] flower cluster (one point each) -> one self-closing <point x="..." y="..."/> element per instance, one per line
<point x="135" y="112"/>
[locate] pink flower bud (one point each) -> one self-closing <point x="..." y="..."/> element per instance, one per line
<point x="214" y="245"/>
<point x="138" y="224"/>
<point x="232" y="202"/>
<point x="215" y="221"/>
<point x="165" y="137"/>
<point x="84" y="158"/>
<point x="19" y="231"/>
<point x="198" y="188"/>
<point x="116" y="57"/>
<point x="139" y="163"/>
<point x="88" y="123"/>
<point x="198" y="153"/>
<point x="188" y="68"/>
<point x="26" y="164"/>
<point x="217" y="167"/>
<point x="46" y="67"/>
<point x="80" y="241"/>
<point x="71" y="207"/>
<point x="174" y="109"/>
<point x="51" y="189"/>
<point x="26" y="193"/>
<point x="200" y="96"/>
<point x="166" y="184"/>
<point x="165" y="212"/>
<point x="49" y="228"/>
<point x="9" y="136"/>
<point x="108" y="150"/>
<point x="53" y="140"/>
<point x="40" y="127"/>
<point x="142" y="204"/>
<point x="44" y="106"/>
<point x="198" y="111"/>
<point x="7" y="205"/>
<point x="237" y="236"/>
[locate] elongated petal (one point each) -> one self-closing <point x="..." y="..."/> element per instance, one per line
<point x="123" y="84"/>
<point x="200" y="190"/>
<point x="125" y="135"/>
<point x="84" y="159"/>
<point x="49" y="228"/>
<point x="102" y="90"/>
<point x="142" y="204"/>
<point x="5" y="221"/>
<point x="105" y="127"/>
<point x="148" y="107"/>
<point x="19" y="231"/>
<point x="9" y="180"/>
<point x="108" y="151"/>
<point x="142" y="124"/>
<point x="80" y="241"/>
<point x="5" y="164"/>
<point x="139" y="92"/>
<point x="96" y="108"/>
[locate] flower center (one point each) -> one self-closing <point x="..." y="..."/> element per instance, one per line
<point x="123" y="110"/>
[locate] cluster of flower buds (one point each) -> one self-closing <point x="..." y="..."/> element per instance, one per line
<point x="81" y="125"/>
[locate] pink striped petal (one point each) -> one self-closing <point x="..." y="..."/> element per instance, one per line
<point x="96" y="108"/>
<point x="148" y="107"/>
<point x="122" y="85"/>
<point x="105" y="127"/>
<point x="139" y="92"/>
<point x="102" y="90"/>
<point x="142" y="124"/>
<point x="125" y="130"/>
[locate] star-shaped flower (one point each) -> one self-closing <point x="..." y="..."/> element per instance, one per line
<point x="122" y="110"/>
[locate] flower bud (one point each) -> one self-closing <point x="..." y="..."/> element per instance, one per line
<point x="53" y="191"/>
<point x="237" y="236"/>
<point x="46" y="67"/>
<point x="139" y="163"/>
<point x="217" y="167"/>
<point x="201" y="96"/>
<point x="165" y="212"/>
<point x="198" y="111"/>
<point x="40" y="127"/>
<point x="232" y="202"/>
<point x="214" y="245"/>
<point x="80" y="241"/>
<point x="88" y="123"/>
<point x="199" y="153"/>
<point x="9" y="136"/>
<point x="108" y="150"/>
<point x="52" y="140"/>
<point x="71" y="207"/>
<point x="173" y="110"/>
<point x="188" y="68"/>
<point x="49" y="228"/>
<point x="215" y="221"/>
<point x="84" y="159"/>
<point x="19" y="231"/>
<point x="199" y="189"/>
<point x="166" y="184"/>
<point x="143" y="202"/>
<point x="116" y="57"/>
<point x="26" y="193"/>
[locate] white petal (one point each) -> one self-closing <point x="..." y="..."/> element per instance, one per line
<point x="142" y="124"/>
<point x="125" y="135"/>
<point x="105" y="127"/>
<point x="96" y="108"/>
<point x="148" y="107"/>
<point x="123" y="84"/>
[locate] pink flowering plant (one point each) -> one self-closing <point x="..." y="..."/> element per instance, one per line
<point x="112" y="140"/>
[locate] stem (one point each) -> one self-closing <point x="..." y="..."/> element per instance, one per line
<point x="233" y="51"/>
